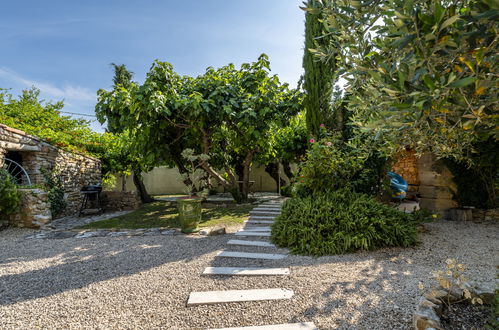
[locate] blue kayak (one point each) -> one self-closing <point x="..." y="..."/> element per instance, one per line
<point x="398" y="185"/>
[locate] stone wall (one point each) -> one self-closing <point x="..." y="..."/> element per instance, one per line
<point x="120" y="200"/>
<point x="406" y="165"/>
<point x="436" y="185"/>
<point x="75" y="170"/>
<point x="34" y="209"/>
<point x="485" y="215"/>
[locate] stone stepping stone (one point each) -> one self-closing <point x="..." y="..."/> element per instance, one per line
<point x="253" y="233"/>
<point x="250" y="243"/>
<point x="270" y="209"/>
<point x="262" y="217"/>
<point x="249" y="255"/>
<point x="265" y="213"/>
<point x="259" y="221"/>
<point x="249" y="228"/>
<point x="288" y="326"/>
<point x="245" y="271"/>
<point x="216" y="297"/>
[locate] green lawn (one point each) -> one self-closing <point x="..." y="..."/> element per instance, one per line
<point x="164" y="214"/>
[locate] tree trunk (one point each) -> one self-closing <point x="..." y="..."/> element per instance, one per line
<point x="182" y="170"/>
<point x="287" y="170"/>
<point x="141" y="188"/>
<point x="123" y="182"/>
<point x="273" y="170"/>
<point x="230" y="185"/>
<point x="246" y="174"/>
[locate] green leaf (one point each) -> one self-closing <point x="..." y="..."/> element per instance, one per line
<point x="449" y="21"/>
<point x="463" y="82"/>
<point x="494" y="4"/>
<point x="429" y="82"/>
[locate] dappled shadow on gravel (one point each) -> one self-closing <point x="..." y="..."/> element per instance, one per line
<point x="379" y="289"/>
<point x="373" y="289"/>
<point x="144" y="282"/>
<point x="31" y="269"/>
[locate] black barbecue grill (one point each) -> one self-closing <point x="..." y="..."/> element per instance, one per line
<point x="91" y="196"/>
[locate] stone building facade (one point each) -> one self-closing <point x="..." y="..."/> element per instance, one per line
<point x="36" y="156"/>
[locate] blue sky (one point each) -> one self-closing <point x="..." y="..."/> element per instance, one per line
<point x="65" y="47"/>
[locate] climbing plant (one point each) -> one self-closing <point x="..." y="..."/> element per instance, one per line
<point x="55" y="188"/>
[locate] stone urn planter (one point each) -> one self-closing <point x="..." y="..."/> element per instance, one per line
<point x="189" y="212"/>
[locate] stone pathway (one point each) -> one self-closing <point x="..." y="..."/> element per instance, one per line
<point x="262" y="215"/>
<point x="71" y="222"/>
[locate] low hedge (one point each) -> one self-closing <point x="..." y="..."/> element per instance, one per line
<point x="340" y="222"/>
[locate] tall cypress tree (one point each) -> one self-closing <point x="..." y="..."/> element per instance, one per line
<point x="319" y="76"/>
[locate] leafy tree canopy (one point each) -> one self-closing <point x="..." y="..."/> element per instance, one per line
<point x="420" y="73"/>
<point x="43" y="119"/>
<point x="226" y="113"/>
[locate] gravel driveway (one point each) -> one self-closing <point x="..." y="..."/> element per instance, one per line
<point x="144" y="282"/>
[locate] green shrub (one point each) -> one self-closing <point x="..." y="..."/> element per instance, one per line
<point x="339" y="222"/>
<point x="331" y="164"/>
<point x="9" y="196"/>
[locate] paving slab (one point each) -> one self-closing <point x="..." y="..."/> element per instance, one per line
<point x="250" y="243"/>
<point x="238" y="271"/>
<point x="265" y="213"/>
<point x="259" y="222"/>
<point x="267" y="209"/>
<point x="249" y="255"/>
<point x="216" y="297"/>
<point x="253" y="233"/>
<point x="252" y="228"/>
<point x="262" y="217"/>
<point x="288" y="326"/>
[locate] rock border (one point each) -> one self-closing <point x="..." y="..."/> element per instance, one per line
<point x="86" y="233"/>
<point x="430" y="306"/>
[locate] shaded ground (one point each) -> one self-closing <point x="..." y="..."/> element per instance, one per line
<point x="165" y="214"/>
<point x="144" y="282"/>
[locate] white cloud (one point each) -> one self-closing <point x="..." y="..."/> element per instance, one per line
<point x="67" y="92"/>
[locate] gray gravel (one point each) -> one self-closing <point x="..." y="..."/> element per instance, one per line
<point x="144" y="282"/>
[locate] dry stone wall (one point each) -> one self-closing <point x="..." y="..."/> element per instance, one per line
<point x="75" y="170"/>
<point x="406" y="165"/>
<point x="34" y="210"/>
<point x="436" y="184"/>
<point x="120" y="200"/>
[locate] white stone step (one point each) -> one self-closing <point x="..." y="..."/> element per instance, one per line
<point x="249" y="255"/>
<point x="253" y="233"/>
<point x="288" y="326"/>
<point x="216" y="297"/>
<point x="245" y="271"/>
<point x="259" y="222"/>
<point x="265" y="213"/>
<point x="251" y="228"/>
<point x="250" y="243"/>
<point x="262" y="217"/>
<point x="267" y="209"/>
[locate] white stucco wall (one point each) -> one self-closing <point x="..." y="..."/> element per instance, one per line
<point x="164" y="180"/>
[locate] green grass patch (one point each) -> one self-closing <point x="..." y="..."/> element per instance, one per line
<point x="164" y="214"/>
